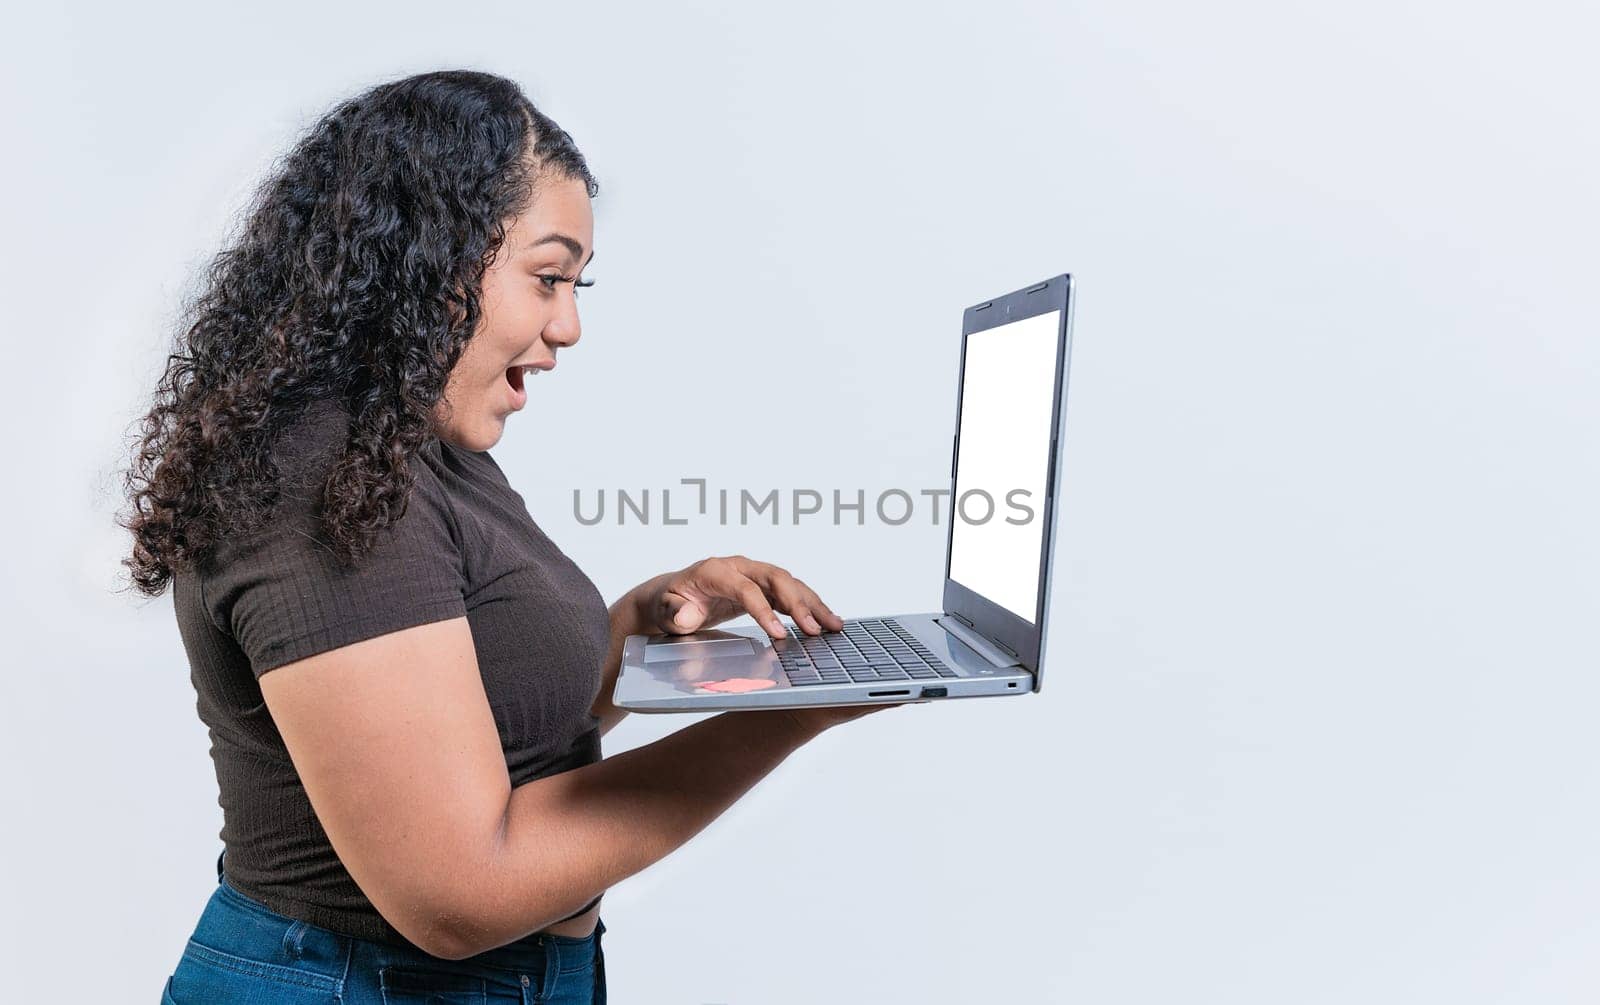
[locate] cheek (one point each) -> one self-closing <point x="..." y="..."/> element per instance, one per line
<point x="518" y="318"/>
<point x="469" y="381"/>
<point x="484" y="360"/>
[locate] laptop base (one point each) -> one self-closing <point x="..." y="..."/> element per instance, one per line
<point x="743" y="667"/>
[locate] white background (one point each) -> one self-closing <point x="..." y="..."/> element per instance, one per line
<point x="1318" y="722"/>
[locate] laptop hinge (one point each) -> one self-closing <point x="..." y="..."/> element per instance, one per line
<point x="997" y="654"/>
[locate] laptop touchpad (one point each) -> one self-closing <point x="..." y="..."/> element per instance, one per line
<point x="662" y="652"/>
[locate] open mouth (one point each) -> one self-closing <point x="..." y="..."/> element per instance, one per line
<point x="514" y="377"/>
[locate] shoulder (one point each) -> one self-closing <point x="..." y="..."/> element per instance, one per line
<point x="284" y="592"/>
<point x="304" y="455"/>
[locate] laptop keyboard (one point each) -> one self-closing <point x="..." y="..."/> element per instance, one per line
<point x="866" y="651"/>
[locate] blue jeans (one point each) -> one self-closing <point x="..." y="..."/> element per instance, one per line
<point x="243" y="952"/>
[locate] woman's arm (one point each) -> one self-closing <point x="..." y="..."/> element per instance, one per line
<point x="397" y="749"/>
<point x="570" y="836"/>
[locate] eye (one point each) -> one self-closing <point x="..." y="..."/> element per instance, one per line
<point x="577" y="284"/>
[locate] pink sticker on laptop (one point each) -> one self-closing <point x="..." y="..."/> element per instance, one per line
<point x="736" y="685"/>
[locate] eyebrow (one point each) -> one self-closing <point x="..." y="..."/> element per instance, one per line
<point x="571" y="244"/>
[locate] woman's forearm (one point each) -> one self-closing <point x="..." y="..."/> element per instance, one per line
<point x="570" y="836"/>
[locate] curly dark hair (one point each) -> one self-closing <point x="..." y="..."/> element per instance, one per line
<point x="356" y="276"/>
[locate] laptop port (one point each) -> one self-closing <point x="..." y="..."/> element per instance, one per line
<point x="885" y="694"/>
<point x="934" y="692"/>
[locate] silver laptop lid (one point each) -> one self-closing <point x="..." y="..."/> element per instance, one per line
<point x="1010" y="400"/>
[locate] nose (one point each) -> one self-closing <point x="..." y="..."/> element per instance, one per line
<point x="564" y="329"/>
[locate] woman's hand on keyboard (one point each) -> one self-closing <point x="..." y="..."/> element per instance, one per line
<point x="715" y="590"/>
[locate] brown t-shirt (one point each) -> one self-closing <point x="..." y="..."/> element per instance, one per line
<point x="466" y="546"/>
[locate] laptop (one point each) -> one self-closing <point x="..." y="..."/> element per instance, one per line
<point x="989" y="639"/>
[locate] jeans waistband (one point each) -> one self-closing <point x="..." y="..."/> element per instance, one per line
<point x="531" y="951"/>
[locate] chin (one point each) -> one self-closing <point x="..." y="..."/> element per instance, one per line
<point x="489" y="437"/>
<point x="482" y="437"/>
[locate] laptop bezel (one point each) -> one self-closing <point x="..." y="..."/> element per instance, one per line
<point x="994" y="622"/>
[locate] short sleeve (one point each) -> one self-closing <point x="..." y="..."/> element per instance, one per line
<point x="281" y="593"/>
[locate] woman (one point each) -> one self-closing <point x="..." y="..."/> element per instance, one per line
<point x="404" y="680"/>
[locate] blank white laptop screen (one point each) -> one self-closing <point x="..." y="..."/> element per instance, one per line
<point x="1007" y="390"/>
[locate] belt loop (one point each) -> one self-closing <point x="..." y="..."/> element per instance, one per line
<point x="348" y="946"/>
<point x="294" y="940"/>
<point x="552" y="969"/>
